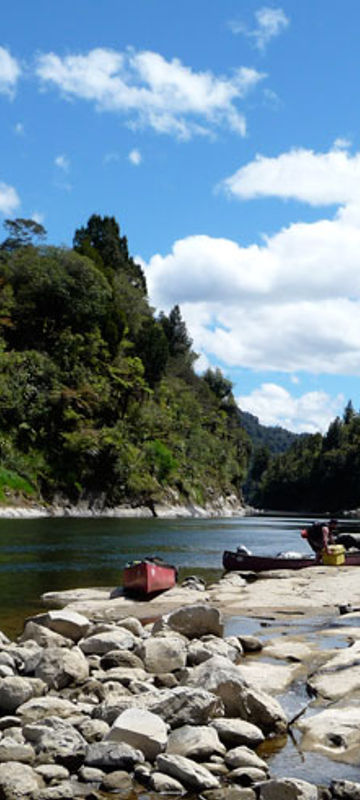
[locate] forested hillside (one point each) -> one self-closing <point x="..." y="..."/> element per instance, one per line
<point x="317" y="473"/>
<point x="98" y="396"/>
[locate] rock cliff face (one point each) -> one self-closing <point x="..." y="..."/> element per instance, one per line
<point x="89" y="706"/>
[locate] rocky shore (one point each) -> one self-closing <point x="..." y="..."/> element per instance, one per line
<point x="96" y="701"/>
<point x="229" y="506"/>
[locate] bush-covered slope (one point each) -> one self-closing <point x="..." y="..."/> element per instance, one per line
<point x="98" y="396"/>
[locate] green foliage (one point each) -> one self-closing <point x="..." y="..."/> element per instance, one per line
<point x="317" y="472"/>
<point x="98" y="398"/>
<point x="21" y="233"/>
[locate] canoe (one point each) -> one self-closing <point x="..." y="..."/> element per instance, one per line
<point x="233" y="560"/>
<point x="148" y="577"/>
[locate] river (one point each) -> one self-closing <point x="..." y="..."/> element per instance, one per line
<point x="43" y="555"/>
<point x="47" y="554"/>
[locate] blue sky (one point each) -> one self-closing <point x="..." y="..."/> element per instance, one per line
<point x="224" y="137"/>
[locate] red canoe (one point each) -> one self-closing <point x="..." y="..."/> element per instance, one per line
<point x="148" y="577"/>
<point x="249" y="563"/>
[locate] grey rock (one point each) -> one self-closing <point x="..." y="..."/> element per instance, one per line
<point x="14" y="691"/>
<point x="184" y="705"/>
<point x="244" y="757"/>
<point x="19" y="781"/>
<point x="250" y="644"/>
<point x="101" y="643"/>
<point x="48" y="706"/>
<point x="287" y="789"/>
<point x="91" y="774"/>
<point x="52" y="773"/>
<point x="117" y="780"/>
<point x="162" y="654"/>
<point x="234" y="732"/>
<point x="164" y="784"/>
<point x="230" y="793"/>
<point x="247" y="776"/>
<point x="93" y="730"/>
<point x="219" y="676"/>
<point x="44" y="636"/>
<point x="12" y="750"/>
<point x="334" y="733"/>
<point x="141" y="729"/>
<point x="121" y="658"/>
<point x="111" y="756"/>
<point x="65" y="622"/>
<point x="345" y="790"/>
<point x="192" y="621"/>
<point x="59" y="667"/>
<point x="187" y="772"/>
<point x="55" y="739"/>
<point x="195" y="741"/>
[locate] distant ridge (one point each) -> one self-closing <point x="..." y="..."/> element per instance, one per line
<point x="275" y="438"/>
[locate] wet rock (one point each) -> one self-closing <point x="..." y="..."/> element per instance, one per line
<point x="247" y="776"/>
<point x="234" y="732"/>
<point x="192" y="621"/>
<point x="339" y="676"/>
<point x="142" y="730"/>
<point x="286" y="789"/>
<point x="244" y="757"/>
<point x="345" y="790"/>
<point x="187" y="772"/>
<point x="289" y="650"/>
<point x="164" y="784"/>
<point x="119" y="779"/>
<point x="250" y="644"/>
<point x="195" y="741"/>
<point x="19" y="781"/>
<point x="334" y="733"/>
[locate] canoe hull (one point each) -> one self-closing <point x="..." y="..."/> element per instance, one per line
<point x="233" y="561"/>
<point x="147" y="578"/>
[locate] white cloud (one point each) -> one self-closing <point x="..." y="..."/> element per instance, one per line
<point x="291" y="304"/>
<point x="135" y="157"/>
<point x="270" y="23"/>
<point x="9" y="72"/>
<point x="38" y="216"/>
<point x="9" y="199"/>
<point x="274" y="405"/>
<point x="150" y="91"/>
<point x="62" y="162"/>
<point x="314" y="178"/>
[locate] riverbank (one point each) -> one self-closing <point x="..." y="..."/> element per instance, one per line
<point x="221" y="507"/>
<point x="94" y="697"/>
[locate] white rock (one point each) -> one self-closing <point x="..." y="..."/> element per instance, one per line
<point x="187" y="771"/>
<point x="19" y="781"/>
<point x="195" y="741"/>
<point x="65" y="622"/>
<point x="141" y="729"/>
<point x="59" y="667"/>
<point x="117" y="639"/>
<point x="334" y="732"/>
<point x="192" y="621"/>
<point x="287" y="789"/>
<point x="162" y="654"/>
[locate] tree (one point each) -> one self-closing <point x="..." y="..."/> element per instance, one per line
<point x="100" y="238"/>
<point x="349" y="413"/>
<point x="176" y="333"/>
<point x="221" y="386"/>
<point x="21" y="233"/>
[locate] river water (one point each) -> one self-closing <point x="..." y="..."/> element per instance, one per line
<point x="42" y="555"/>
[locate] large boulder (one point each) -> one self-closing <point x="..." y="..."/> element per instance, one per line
<point x="19" y="781"/>
<point x="141" y="729"/>
<point x="44" y="637"/>
<point x="184" y="706"/>
<point x="340" y="676"/>
<point x="162" y="654"/>
<point x="334" y="732"/>
<point x="56" y="739"/>
<point x="110" y="756"/>
<point x="67" y="623"/>
<point x="192" y="621"/>
<point x="59" y="667"/>
<point x="195" y="741"/>
<point x="14" y="691"/>
<point x="100" y="643"/>
<point x="48" y="706"/>
<point x="235" y="732"/>
<point x="287" y="789"/>
<point x="187" y="772"/>
<point x="224" y="679"/>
